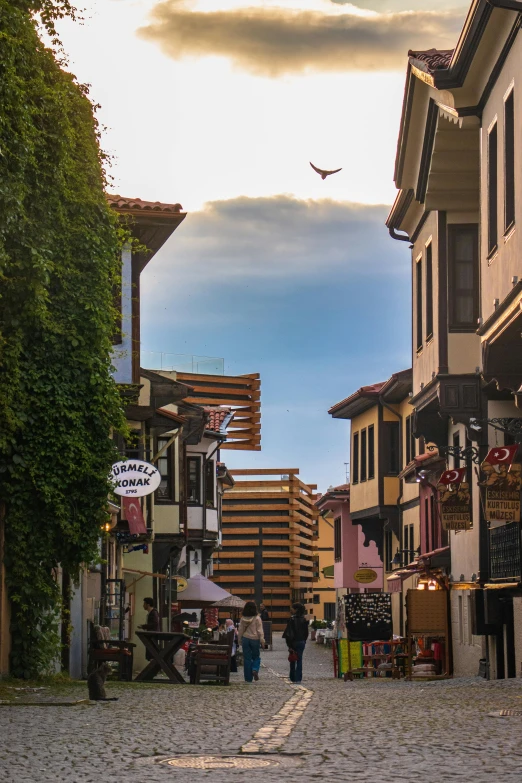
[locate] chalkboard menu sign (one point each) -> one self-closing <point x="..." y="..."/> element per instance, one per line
<point x="368" y="617"/>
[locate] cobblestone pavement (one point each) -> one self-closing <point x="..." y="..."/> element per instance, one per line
<point x="360" y="731"/>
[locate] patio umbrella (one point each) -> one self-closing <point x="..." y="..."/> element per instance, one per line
<point x="230" y="603"/>
<point x="201" y="592"/>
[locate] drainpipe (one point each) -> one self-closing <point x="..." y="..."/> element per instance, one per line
<point x="400" y="237"/>
<point x="401" y="486"/>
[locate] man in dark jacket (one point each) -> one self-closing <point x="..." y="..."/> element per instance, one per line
<point x="263" y="612"/>
<point x="153" y="620"/>
<point x="296" y="634"/>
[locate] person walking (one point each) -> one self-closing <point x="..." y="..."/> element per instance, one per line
<point x="231" y="629"/>
<point x="295" y="635"/>
<point x="250" y="636"/>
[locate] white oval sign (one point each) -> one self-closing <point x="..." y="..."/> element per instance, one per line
<point x="134" y="478"/>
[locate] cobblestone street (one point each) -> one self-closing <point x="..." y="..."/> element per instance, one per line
<point x="361" y="731"/>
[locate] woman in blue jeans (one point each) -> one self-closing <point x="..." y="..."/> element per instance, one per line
<point x="251" y="637"/>
<point x="295" y="635"/>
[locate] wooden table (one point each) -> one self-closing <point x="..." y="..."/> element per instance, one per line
<point x="162" y="646"/>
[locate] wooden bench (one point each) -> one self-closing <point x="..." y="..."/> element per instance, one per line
<point x="213" y="664"/>
<point x="102" y="648"/>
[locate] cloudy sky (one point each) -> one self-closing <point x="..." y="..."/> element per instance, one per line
<point x="220" y="105"/>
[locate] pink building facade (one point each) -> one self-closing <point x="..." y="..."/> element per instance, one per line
<point x="353" y="550"/>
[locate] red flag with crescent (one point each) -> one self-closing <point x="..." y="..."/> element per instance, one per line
<point x="134" y="516"/>
<point x="455" y="476"/>
<point x="501" y="455"/>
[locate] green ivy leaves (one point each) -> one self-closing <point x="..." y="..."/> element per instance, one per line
<point x="60" y="256"/>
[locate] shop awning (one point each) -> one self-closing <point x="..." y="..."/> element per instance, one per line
<point x="396" y="579"/>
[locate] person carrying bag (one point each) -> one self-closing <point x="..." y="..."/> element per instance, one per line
<point x="251" y="638"/>
<point x="295" y="635"/>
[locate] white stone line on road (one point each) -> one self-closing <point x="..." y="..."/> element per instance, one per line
<point x="276" y="731"/>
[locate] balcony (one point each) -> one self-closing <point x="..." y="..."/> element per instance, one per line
<point x="181" y="362"/>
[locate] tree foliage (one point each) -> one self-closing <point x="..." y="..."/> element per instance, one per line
<point x="60" y="250"/>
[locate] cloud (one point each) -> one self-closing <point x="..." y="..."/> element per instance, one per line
<point x="279" y="240"/>
<point x="272" y="41"/>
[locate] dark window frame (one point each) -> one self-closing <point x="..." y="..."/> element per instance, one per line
<point x="509" y="161"/>
<point x="210" y="483"/>
<point x="492" y="196"/>
<point x="429" y="291"/>
<point x="197" y="484"/>
<point x="338" y="547"/>
<point x="355" y="458"/>
<point x="371" y="452"/>
<point x="364" y="455"/>
<point x="453" y="232"/>
<point x="408" y="439"/>
<point x="418" y="303"/>
<point x="166" y="467"/>
<point x="388" y="550"/>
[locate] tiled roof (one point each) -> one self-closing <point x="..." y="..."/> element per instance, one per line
<point x="120" y="203"/>
<point x="432" y="59"/>
<point x="216" y="418"/>
<point x="363" y="392"/>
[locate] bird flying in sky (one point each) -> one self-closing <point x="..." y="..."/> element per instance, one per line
<point x="323" y="172"/>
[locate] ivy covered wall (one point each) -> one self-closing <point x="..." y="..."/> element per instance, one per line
<point x="60" y="255"/>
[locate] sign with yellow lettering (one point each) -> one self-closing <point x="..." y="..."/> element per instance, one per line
<point x="455" y="506"/>
<point x="365" y="576"/>
<point x="503" y="484"/>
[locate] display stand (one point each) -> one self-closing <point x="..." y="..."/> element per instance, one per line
<point x="428" y="624"/>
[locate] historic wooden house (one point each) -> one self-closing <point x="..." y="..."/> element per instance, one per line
<point x="458" y="206"/>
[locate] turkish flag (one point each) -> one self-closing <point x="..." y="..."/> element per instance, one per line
<point x="501" y="455"/>
<point x="455" y="476"/>
<point x="133" y="512"/>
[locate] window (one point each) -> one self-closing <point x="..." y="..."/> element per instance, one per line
<point x="329" y="611"/>
<point x="364" y="455"/>
<point x="165" y="491"/>
<point x="463" y="277"/>
<point x="317" y="598"/>
<point x="456" y="445"/>
<point x="391" y="430"/>
<point x="337" y="539"/>
<point x="509" y="161"/>
<point x="429" y="292"/>
<point x="418" y="273"/>
<point x="210" y="483"/>
<point x="492" y="190"/>
<point x="408" y="544"/>
<point x="410" y="440"/>
<point x="371" y="452"/>
<point x="388" y="549"/>
<point x="355" y="459"/>
<point x="194" y="480"/>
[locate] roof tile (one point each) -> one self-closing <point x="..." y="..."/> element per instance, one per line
<point x="138" y="205"/>
<point x="433" y="59"/>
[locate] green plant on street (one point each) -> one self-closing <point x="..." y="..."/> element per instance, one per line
<point x="60" y="248"/>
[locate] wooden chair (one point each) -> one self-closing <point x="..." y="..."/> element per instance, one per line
<point x="213" y="664"/>
<point x="103" y="648"/>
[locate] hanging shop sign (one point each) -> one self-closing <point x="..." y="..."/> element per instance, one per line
<point x="182" y="584"/>
<point x="368" y="616"/>
<point x="134" y="478"/>
<point x="454" y="500"/>
<point x="365" y="576"/>
<point x="502" y="482"/>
